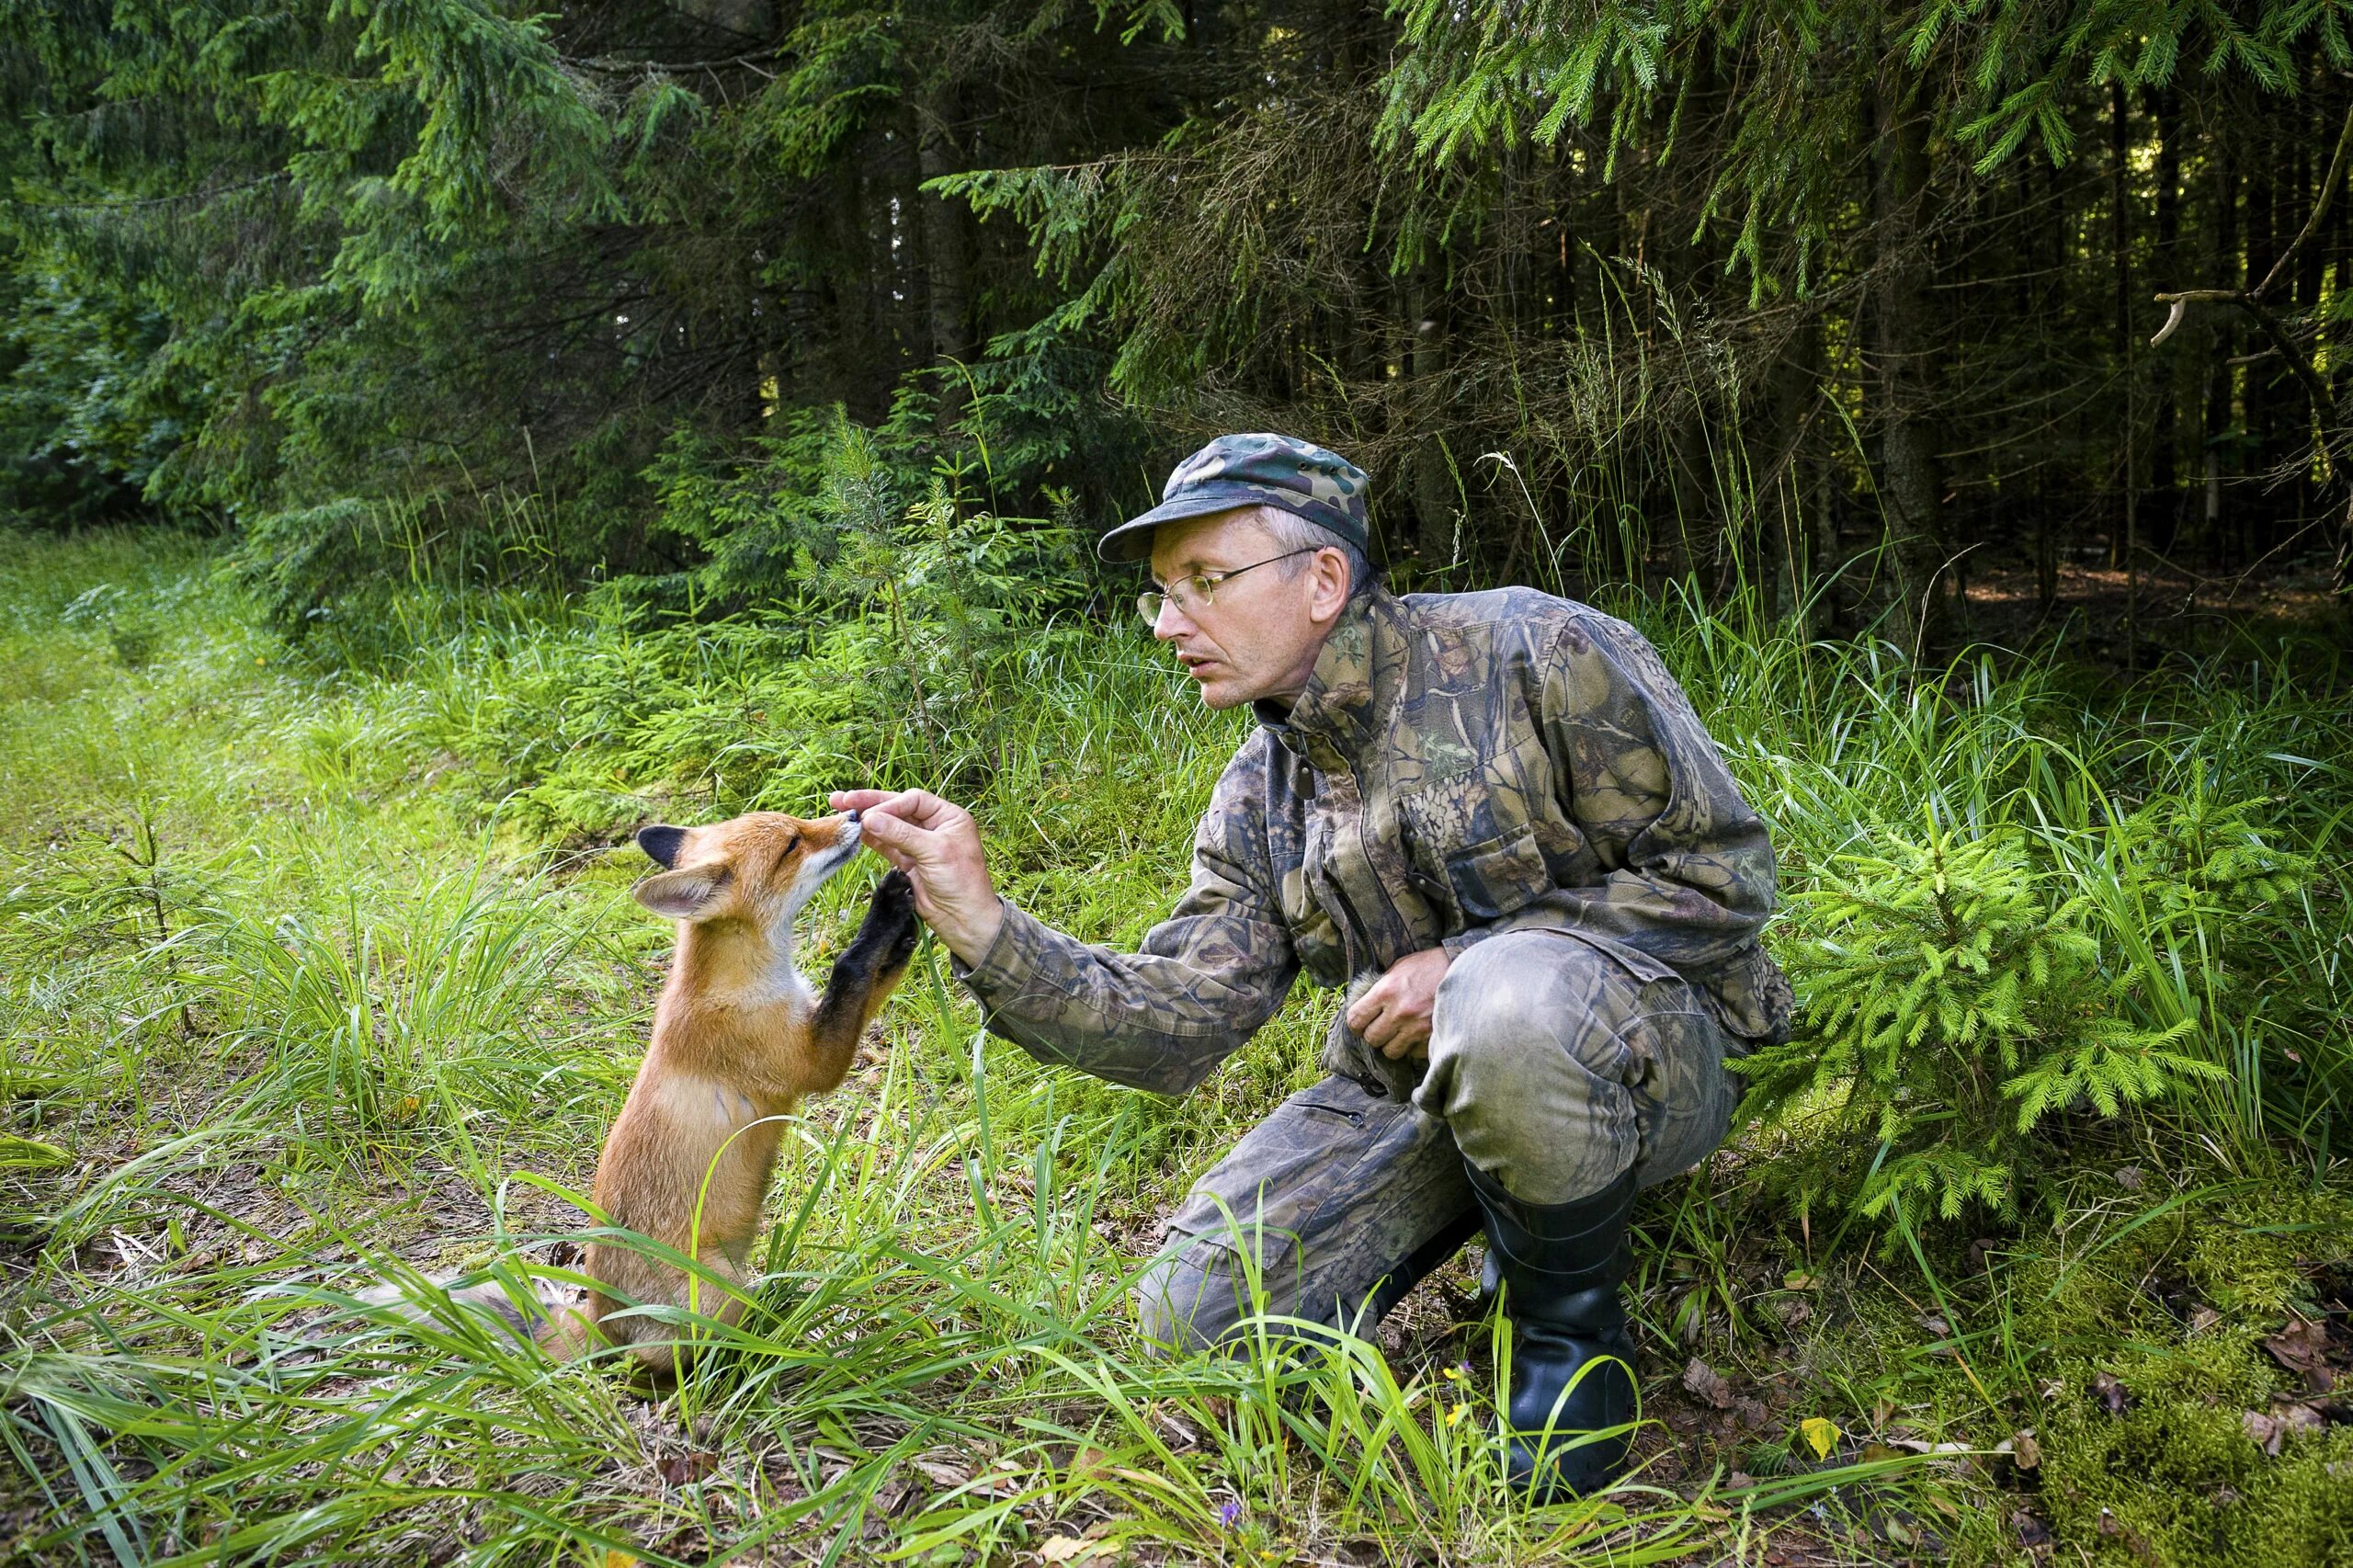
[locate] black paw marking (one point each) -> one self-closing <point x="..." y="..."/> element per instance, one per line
<point x="888" y="933"/>
<point x="895" y="893"/>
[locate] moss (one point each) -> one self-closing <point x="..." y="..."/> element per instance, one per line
<point x="2173" y="1477"/>
<point x="2177" y="1481"/>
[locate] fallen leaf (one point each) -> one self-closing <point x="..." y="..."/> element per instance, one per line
<point x="2203" y="1318"/>
<point x="1706" y="1383"/>
<point x="1750" y="1413"/>
<point x="1821" y="1435"/>
<point x="1798" y="1282"/>
<point x="616" y="1558"/>
<point x="2271" y="1431"/>
<point x="2302" y="1349"/>
<point x="2032" y="1531"/>
<point x="2130" y="1178"/>
<point x="680" y="1468"/>
<point x="2113" y="1396"/>
<point x="943" y="1471"/>
<point x="1793" y="1311"/>
<point x="2025" y="1452"/>
<point x="1071" y="1548"/>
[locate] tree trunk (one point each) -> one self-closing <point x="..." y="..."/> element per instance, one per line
<point x="1909" y="478"/>
<point x="2127" y="546"/>
<point x="946" y="257"/>
<point x="1434" y="489"/>
<point x="1796" y="381"/>
<point x="2165" y="436"/>
<point x="2223" y="266"/>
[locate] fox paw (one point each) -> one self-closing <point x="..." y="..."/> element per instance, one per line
<point x="891" y="922"/>
<point x="894" y="896"/>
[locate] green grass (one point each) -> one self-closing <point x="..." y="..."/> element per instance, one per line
<point x="317" y="964"/>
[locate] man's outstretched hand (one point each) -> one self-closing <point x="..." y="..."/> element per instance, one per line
<point x="937" y="845"/>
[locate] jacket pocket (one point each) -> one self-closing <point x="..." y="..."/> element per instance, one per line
<point x="1489" y="880"/>
<point x="1471" y="840"/>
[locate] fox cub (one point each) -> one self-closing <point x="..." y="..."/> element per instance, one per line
<point x="739" y="1036"/>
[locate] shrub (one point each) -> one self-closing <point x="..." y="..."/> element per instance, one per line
<point x="1955" y="999"/>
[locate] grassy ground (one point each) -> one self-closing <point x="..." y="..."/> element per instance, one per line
<point x="317" y="969"/>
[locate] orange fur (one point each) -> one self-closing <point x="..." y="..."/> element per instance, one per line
<point x="739" y="1037"/>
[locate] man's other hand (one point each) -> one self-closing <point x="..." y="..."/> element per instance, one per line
<point x="937" y="845"/>
<point x="1395" y="1016"/>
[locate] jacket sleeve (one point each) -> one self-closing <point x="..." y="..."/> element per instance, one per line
<point x="1688" y="869"/>
<point x="1161" y="1018"/>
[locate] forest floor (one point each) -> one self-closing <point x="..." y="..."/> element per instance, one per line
<point x="2137" y="620"/>
<point x="291" y="1006"/>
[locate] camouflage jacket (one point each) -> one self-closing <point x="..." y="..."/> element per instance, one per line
<point x="1458" y="765"/>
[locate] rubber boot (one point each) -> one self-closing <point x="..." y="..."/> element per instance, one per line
<point x="1430" y="1255"/>
<point x="1571" y="1359"/>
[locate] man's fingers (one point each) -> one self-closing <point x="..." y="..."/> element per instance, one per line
<point x="889" y="833"/>
<point x="857" y="799"/>
<point x="914" y="805"/>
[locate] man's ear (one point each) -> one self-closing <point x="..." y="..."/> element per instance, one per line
<point x="1329" y="593"/>
<point x="661" y="843"/>
<point x="681" y="895"/>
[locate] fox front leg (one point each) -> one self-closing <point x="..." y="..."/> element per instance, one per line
<point x="863" y="978"/>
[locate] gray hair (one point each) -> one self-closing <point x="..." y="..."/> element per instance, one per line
<point x="1290" y="531"/>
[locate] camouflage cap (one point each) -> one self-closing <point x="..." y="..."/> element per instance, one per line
<point x="1249" y="470"/>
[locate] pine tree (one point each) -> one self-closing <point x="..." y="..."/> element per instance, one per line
<point x="1955" y="1000"/>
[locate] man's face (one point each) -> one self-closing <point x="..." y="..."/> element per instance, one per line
<point x="1260" y="633"/>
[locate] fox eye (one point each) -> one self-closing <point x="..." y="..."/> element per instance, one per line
<point x="790" y="844"/>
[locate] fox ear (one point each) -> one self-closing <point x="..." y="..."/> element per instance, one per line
<point x="661" y="843"/>
<point x="681" y="895"/>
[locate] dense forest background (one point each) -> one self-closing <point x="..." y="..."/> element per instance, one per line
<point x="1745" y="296"/>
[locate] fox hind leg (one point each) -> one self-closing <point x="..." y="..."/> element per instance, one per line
<point x="659" y="1345"/>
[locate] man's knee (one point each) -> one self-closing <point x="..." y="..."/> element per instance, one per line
<point x="1530" y="1064"/>
<point x="1191" y="1297"/>
<point x="1525" y="989"/>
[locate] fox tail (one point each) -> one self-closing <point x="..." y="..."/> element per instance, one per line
<point x="503" y="1303"/>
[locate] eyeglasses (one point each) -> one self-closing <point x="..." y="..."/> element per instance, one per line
<point x="1202" y="585"/>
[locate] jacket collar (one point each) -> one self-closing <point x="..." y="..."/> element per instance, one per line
<point x="1334" y="721"/>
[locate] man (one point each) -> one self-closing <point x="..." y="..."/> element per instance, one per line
<point x="1498" y="817"/>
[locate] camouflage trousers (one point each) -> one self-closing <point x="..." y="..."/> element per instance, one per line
<point x="1555" y="1061"/>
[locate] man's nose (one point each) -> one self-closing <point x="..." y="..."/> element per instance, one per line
<point x="1171" y="622"/>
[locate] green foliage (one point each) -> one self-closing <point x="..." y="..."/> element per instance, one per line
<point x="107" y="608"/>
<point x="1953" y="1001"/>
<point x="1991" y="74"/>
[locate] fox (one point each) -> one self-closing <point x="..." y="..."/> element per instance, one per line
<point x="739" y="1037"/>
